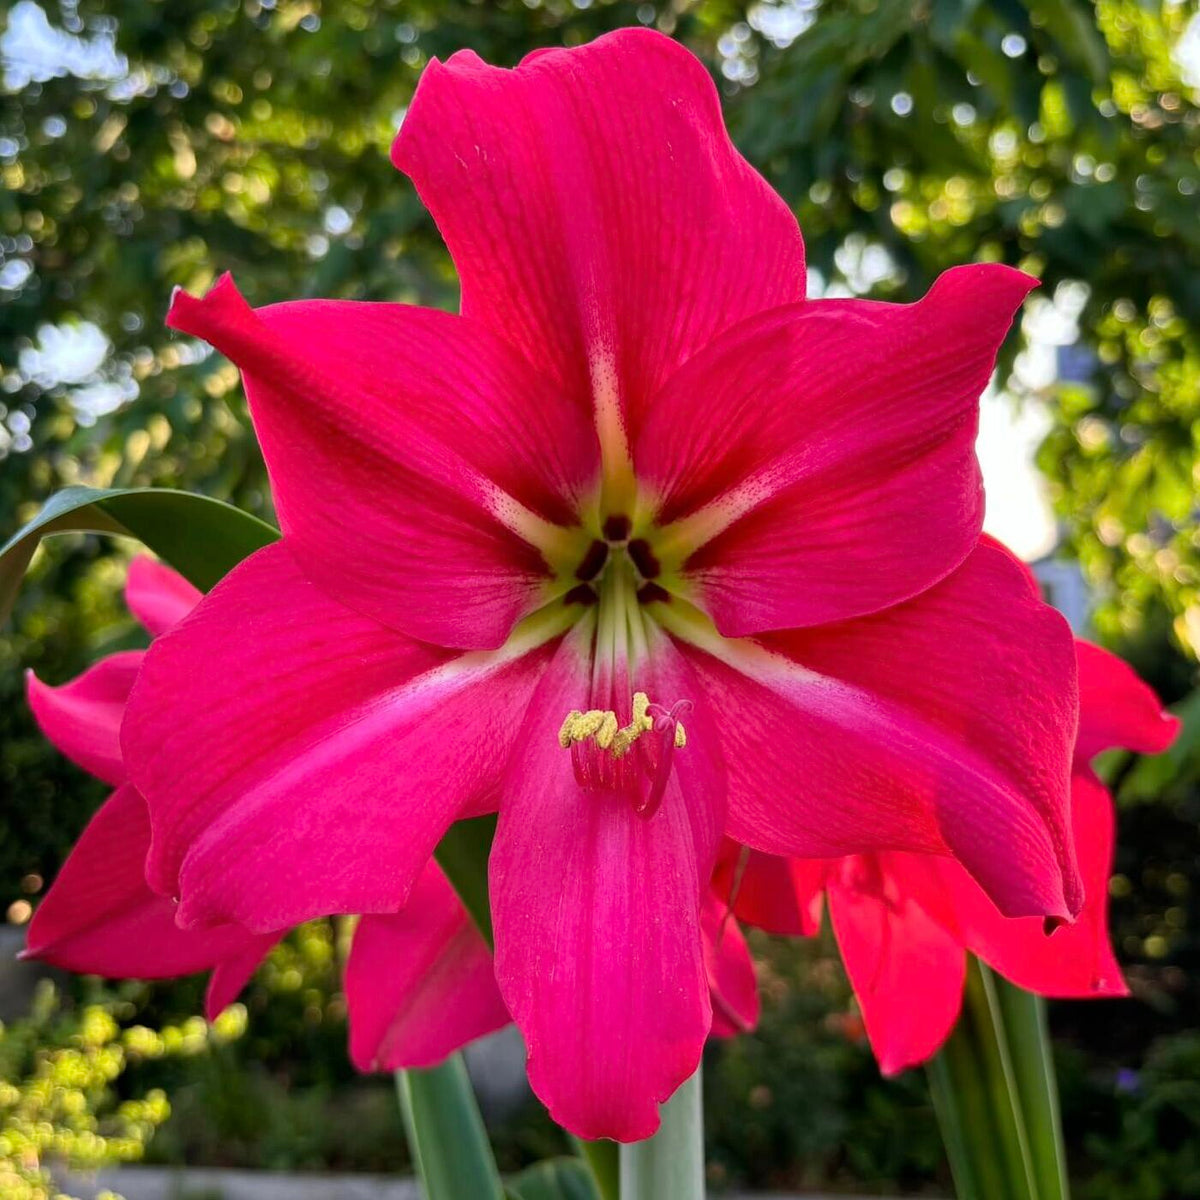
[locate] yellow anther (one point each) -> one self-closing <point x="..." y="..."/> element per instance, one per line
<point x="566" y="735"/>
<point x="601" y="726"/>
<point x="607" y="730"/>
<point x="579" y="726"/>
<point x="624" y="739"/>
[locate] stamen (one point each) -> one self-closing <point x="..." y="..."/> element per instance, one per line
<point x="600" y="748"/>
<point x="653" y="593"/>
<point x="643" y="558"/>
<point x="616" y="528"/>
<point x="581" y="593"/>
<point x="673" y="737"/>
<point x="593" y="561"/>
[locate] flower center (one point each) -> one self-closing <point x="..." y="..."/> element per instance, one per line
<point x="599" y="558"/>
<point x="619" y="744"/>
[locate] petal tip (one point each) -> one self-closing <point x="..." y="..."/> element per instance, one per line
<point x="199" y="315"/>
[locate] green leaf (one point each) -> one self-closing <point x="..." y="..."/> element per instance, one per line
<point x="463" y="855"/>
<point x="996" y="1101"/>
<point x="446" y="1135"/>
<point x="201" y="538"/>
<point x="1024" y="1018"/>
<point x="554" y="1179"/>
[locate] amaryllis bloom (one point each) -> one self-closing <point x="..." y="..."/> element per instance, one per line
<point x="640" y="549"/>
<point x="420" y="983"/>
<point x="905" y="922"/>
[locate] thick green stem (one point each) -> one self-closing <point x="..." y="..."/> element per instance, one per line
<point x="449" y="1145"/>
<point x="670" y="1165"/>
<point x="604" y="1164"/>
<point x="993" y="1089"/>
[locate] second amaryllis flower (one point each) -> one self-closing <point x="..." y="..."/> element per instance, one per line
<point x="641" y="549"/>
<point x="906" y="922"/>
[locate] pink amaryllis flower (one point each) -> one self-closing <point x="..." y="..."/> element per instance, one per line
<point x="641" y="549"/>
<point x="433" y="991"/>
<point x="905" y="922"/>
<point x="419" y="983"/>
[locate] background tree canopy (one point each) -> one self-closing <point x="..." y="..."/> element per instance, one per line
<point x="150" y="145"/>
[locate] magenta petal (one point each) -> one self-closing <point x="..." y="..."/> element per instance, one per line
<point x="1074" y="961"/>
<point x="83" y="716"/>
<point x="598" y="214"/>
<point x="907" y="970"/>
<point x="824" y="453"/>
<point x="779" y="895"/>
<point x="299" y="760"/>
<point x="232" y="973"/>
<point x="100" y="918"/>
<point x="597" y="912"/>
<point x="1116" y="708"/>
<point x="731" y="979"/>
<point x="361" y="410"/>
<point x="158" y="596"/>
<point x="943" y="724"/>
<point x="420" y="983"/>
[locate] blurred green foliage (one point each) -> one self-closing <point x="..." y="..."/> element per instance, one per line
<point x="58" y="1103"/>
<point x="174" y="141"/>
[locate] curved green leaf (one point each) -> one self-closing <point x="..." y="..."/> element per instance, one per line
<point x="200" y="537"/>
<point x="463" y="855"/>
<point x="1024" y="1019"/>
<point x="553" y="1179"/>
<point x="446" y="1135"/>
<point x="994" y="1093"/>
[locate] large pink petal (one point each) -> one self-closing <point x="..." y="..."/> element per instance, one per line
<point x="779" y="895"/>
<point x="100" y="917"/>
<point x="731" y="979"/>
<point x="907" y="970"/>
<point x="158" y="596"/>
<point x="299" y="759"/>
<point x="1076" y="960"/>
<point x="598" y="214"/>
<point x="413" y="456"/>
<point x="823" y="454"/>
<point x="420" y="983"/>
<point x="83" y="716"/>
<point x="944" y="724"/>
<point x="597" y="912"/>
<point x="1116" y="708"/>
